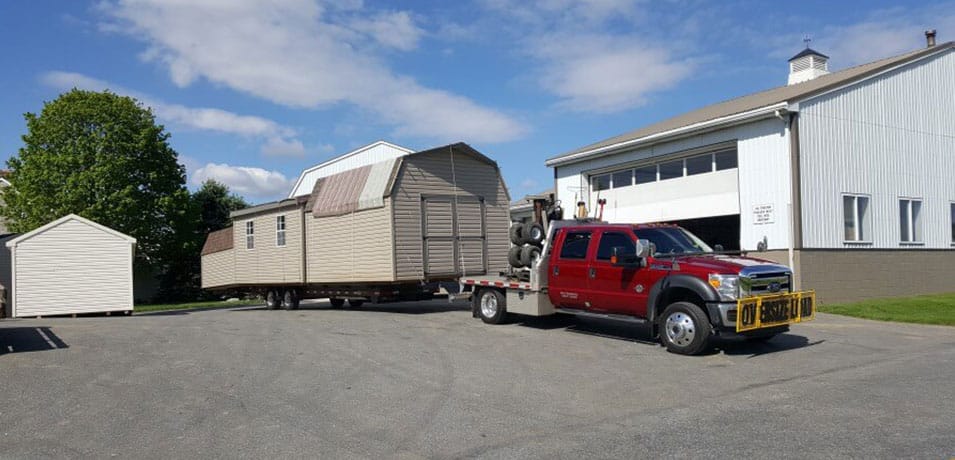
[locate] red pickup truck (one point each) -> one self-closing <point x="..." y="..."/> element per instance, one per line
<point x="657" y="274"/>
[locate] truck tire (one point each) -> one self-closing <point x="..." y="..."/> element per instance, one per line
<point x="355" y="303"/>
<point x="517" y="233"/>
<point x="529" y="254"/>
<point x="534" y="234"/>
<point x="337" y="303"/>
<point x="491" y="306"/>
<point x="514" y="257"/>
<point x="290" y="299"/>
<point x="272" y="299"/>
<point x="685" y="329"/>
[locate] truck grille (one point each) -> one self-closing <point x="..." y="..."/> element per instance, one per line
<point x="764" y="280"/>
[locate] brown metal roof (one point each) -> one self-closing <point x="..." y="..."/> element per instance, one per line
<point x="339" y="194"/>
<point x="217" y="241"/>
<point x="789" y="93"/>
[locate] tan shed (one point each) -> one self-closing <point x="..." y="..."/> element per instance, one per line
<point x="71" y="265"/>
<point x="426" y="216"/>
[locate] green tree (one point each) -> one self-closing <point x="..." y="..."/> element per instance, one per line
<point x="215" y="202"/>
<point x="102" y="156"/>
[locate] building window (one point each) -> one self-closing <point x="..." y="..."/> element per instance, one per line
<point x="623" y="178"/>
<point x="726" y="160"/>
<point x="646" y="174"/>
<point x="910" y="211"/>
<point x="699" y="165"/>
<point x="250" y="235"/>
<point x="671" y="169"/>
<point x="855" y="213"/>
<point x="575" y="245"/>
<point x="280" y="230"/>
<point x="601" y="182"/>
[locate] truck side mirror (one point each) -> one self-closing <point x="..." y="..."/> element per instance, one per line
<point x="621" y="257"/>
<point x="644" y="248"/>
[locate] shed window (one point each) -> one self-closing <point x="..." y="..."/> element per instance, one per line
<point x="726" y="160"/>
<point x="699" y="165"/>
<point x="280" y="230"/>
<point x="855" y="213"/>
<point x="250" y="235"/>
<point x="575" y="245"/>
<point x="910" y="211"/>
<point x="671" y="170"/>
<point x="646" y="174"/>
<point x="623" y="178"/>
<point x="601" y="182"/>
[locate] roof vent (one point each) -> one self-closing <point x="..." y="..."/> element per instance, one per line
<point x="930" y="38"/>
<point x="806" y="65"/>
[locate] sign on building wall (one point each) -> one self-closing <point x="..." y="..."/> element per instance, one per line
<point x="763" y="214"/>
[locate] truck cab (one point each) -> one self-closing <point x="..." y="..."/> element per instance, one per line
<point x="658" y="274"/>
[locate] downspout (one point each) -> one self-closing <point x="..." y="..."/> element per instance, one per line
<point x="795" y="207"/>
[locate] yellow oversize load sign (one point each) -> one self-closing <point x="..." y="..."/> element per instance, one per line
<point x="775" y="310"/>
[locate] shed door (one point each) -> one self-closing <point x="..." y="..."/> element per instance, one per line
<point x="454" y="236"/>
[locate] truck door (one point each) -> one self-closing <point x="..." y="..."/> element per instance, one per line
<point x="567" y="271"/>
<point x="615" y="289"/>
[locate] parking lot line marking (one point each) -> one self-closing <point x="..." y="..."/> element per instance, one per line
<point x="48" y="341"/>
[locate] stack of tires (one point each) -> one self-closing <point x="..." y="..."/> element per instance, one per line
<point x="527" y="240"/>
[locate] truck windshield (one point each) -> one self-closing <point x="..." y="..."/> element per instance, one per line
<point x="672" y="240"/>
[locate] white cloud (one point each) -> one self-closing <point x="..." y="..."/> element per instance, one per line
<point x="305" y="53"/>
<point x="254" y="183"/>
<point x="279" y="140"/>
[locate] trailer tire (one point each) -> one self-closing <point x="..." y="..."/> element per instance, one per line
<point x="514" y="257"/>
<point x="517" y="233"/>
<point x="355" y="303"/>
<point x="529" y="254"/>
<point x="491" y="306"/>
<point x="534" y="234"/>
<point x="336" y="303"/>
<point x="272" y="299"/>
<point x="290" y="299"/>
<point x="685" y="329"/>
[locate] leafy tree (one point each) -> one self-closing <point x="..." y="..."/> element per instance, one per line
<point x="215" y="202"/>
<point x="102" y="156"/>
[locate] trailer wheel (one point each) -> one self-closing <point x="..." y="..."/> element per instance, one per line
<point x="534" y="234"/>
<point x="290" y="299"/>
<point x="355" y="303"/>
<point x="272" y="299"/>
<point x="491" y="306"/>
<point x="517" y="233"/>
<point x="684" y="329"/>
<point x="529" y="254"/>
<point x="337" y="303"/>
<point x="514" y="257"/>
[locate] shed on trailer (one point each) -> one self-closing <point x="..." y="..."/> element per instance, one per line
<point x="431" y="215"/>
<point x="71" y="265"/>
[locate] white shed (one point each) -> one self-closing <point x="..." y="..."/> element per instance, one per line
<point x="71" y="265"/>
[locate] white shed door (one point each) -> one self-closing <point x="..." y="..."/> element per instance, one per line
<point x="72" y="268"/>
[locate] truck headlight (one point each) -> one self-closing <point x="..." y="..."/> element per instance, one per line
<point x="727" y="286"/>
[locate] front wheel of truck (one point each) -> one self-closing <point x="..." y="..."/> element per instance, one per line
<point x="490" y="306"/>
<point x="684" y="329"/>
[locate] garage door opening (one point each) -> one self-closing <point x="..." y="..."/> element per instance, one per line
<point x="722" y="230"/>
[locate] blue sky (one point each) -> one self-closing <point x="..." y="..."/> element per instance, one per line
<point x="253" y="92"/>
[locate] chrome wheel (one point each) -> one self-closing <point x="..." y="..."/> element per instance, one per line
<point x="680" y="329"/>
<point x="489" y="305"/>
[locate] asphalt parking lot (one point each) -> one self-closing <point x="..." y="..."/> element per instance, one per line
<point x="427" y="380"/>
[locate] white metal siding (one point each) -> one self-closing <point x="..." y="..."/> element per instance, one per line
<point x="375" y="153"/>
<point x="267" y="262"/>
<point x="889" y="137"/>
<point x="353" y="247"/>
<point x="762" y="178"/>
<point x="72" y="268"/>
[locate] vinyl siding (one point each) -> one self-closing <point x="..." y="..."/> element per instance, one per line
<point x="267" y="263"/>
<point x="353" y="247"/>
<point x="430" y="175"/>
<point x="366" y="156"/>
<point x="72" y="268"/>
<point x="218" y="269"/>
<point x="888" y="137"/>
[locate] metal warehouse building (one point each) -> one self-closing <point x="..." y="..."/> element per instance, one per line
<point x="845" y="176"/>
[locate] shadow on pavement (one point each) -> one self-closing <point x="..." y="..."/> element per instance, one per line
<point x="782" y="342"/>
<point x="186" y="311"/>
<point x="26" y="339"/>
